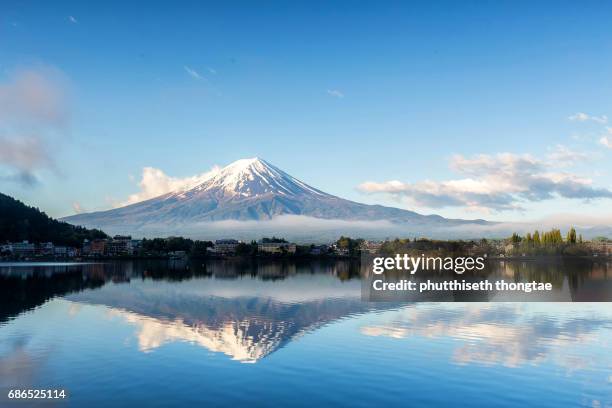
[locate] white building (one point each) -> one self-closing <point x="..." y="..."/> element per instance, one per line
<point x="225" y="246"/>
<point x="276" y="248"/>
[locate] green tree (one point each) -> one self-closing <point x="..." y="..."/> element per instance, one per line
<point x="536" y="238"/>
<point x="571" y="236"/>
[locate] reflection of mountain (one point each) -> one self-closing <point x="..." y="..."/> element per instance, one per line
<point x="246" y="322"/>
<point x="249" y="309"/>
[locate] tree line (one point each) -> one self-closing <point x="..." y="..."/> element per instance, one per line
<point x="19" y="222"/>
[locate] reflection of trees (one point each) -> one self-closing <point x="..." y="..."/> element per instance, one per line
<point x="19" y="294"/>
<point x="540" y="271"/>
<point x="25" y="287"/>
<point x="579" y="272"/>
<point x="266" y="269"/>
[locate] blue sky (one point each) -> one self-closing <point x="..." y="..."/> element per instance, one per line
<point x="335" y="93"/>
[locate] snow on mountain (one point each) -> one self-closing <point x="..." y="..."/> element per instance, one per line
<point x="251" y="177"/>
<point x="247" y="190"/>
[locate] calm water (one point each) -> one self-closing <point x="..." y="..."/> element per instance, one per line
<point x="287" y="334"/>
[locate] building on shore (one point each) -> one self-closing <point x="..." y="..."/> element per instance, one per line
<point x="371" y="247"/>
<point x="224" y="247"/>
<point x="337" y="250"/>
<point x="27" y="250"/>
<point x="120" y="245"/>
<point x="601" y="248"/>
<point x="97" y="247"/>
<point x="276" y="248"/>
<point x="24" y="249"/>
<point x="45" y="249"/>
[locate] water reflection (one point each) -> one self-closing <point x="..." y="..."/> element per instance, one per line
<point x="245" y="315"/>
<point x="18" y="364"/>
<point x="78" y="325"/>
<point x="248" y="309"/>
<point x="508" y="334"/>
<point x="571" y="279"/>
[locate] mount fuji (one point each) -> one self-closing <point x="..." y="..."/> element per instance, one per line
<point x="250" y="190"/>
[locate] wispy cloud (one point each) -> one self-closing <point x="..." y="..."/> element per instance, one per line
<point x="563" y="156"/>
<point x="335" y="93"/>
<point x="34" y="115"/>
<point x="24" y="155"/>
<point x="212" y="70"/>
<point x="77" y="208"/>
<point x="606" y="139"/>
<point x="72" y="19"/>
<point x="193" y="73"/>
<point x="500" y="182"/>
<point x="154" y="182"/>
<point x="584" y="117"/>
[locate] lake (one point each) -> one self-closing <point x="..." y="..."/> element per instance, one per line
<point x="272" y="333"/>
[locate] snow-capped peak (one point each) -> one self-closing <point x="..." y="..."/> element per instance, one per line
<point x="253" y="177"/>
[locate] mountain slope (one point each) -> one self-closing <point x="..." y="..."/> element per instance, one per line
<point x="249" y="189"/>
<point x="19" y="222"/>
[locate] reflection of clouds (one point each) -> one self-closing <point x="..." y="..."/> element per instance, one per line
<point x="19" y="366"/>
<point x="234" y="339"/>
<point x="509" y="335"/>
<point x="393" y="332"/>
<point x="74" y="309"/>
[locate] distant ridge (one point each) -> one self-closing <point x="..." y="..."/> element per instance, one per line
<point x="250" y="190"/>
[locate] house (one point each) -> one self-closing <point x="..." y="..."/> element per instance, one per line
<point x="45" y="249"/>
<point x="602" y="248"/>
<point x="86" y="249"/>
<point x="225" y="246"/>
<point x="60" y="251"/>
<point x="371" y="247"/>
<point x="119" y="245"/>
<point x="340" y="251"/>
<point x="97" y="247"/>
<point x="276" y="248"/>
<point x="136" y="245"/>
<point x="23" y="249"/>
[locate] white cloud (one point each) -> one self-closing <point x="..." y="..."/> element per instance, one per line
<point x="500" y="182"/>
<point x="155" y="182"/>
<point x="335" y="93"/>
<point x="212" y="70"/>
<point x="24" y="155"/>
<point x="192" y="72"/>
<point x="34" y="112"/>
<point x="584" y="117"/>
<point x="72" y="19"/>
<point x="563" y="156"/>
<point x="606" y="139"/>
<point x="76" y="206"/>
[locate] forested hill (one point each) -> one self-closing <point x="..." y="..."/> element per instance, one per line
<point x="19" y="222"/>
